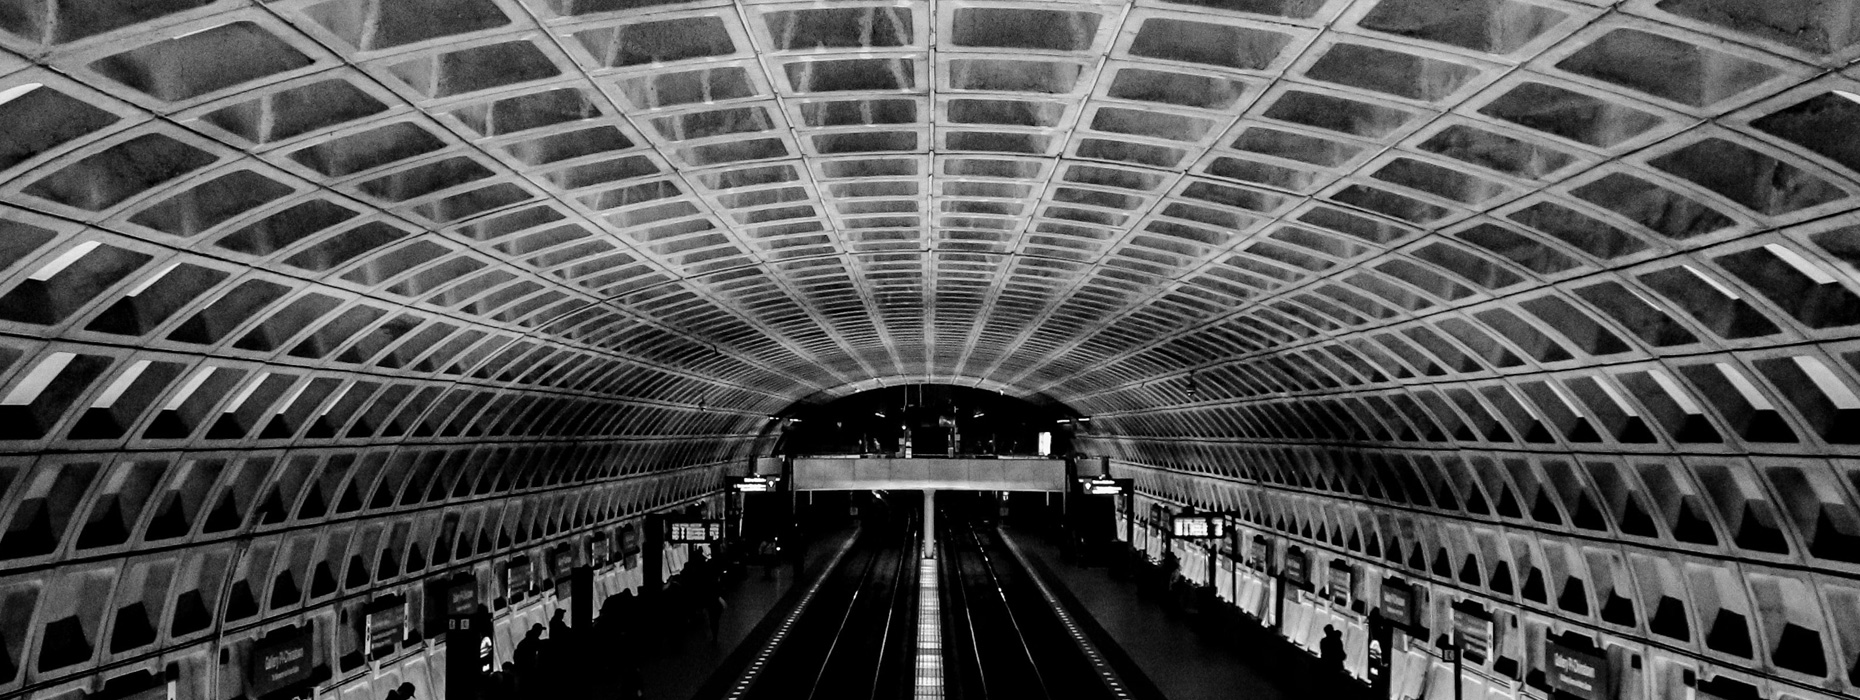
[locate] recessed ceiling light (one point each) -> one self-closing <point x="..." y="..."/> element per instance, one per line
<point x="17" y="91"/>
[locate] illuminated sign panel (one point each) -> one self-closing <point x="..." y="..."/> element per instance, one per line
<point x="695" y="531"/>
<point x="1198" y="526"/>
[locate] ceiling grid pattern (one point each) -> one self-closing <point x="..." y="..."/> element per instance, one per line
<point x="1421" y="234"/>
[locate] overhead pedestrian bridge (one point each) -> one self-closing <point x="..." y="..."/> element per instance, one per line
<point x="937" y="473"/>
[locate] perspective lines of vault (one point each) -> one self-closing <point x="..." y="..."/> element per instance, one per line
<point x="1483" y="291"/>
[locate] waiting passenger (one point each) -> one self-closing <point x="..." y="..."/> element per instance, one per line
<point x="529" y="652"/>
<point x="1330" y="650"/>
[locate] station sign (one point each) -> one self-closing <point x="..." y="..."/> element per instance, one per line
<point x="1341" y="582"/>
<point x="462" y="599"/>
<point x="1397" y="598"/>
<point x="695" y="531"/>
<point x="755" y="484"/>
<point x="1472" y="631"/>
<point x="1198" y="526"/>
<point x="1578" y="673"/>
<point x="280" y="662"/>
<point x="1105" y="486"/>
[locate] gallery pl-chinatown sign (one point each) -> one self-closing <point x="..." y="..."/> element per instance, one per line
<point x="1578" y="673"/>
<point x="280" y="662"/>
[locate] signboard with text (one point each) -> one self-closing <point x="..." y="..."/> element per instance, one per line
<point x="1259" y="553"/>
<point x="562" y="561"/>
<point x="1197" y="526"/>
<point x="694" y="531"/>
<point x="1397" y="602"/>
<point x="462" y="599"/>
<point x="755" y="484"/>
<point x="1578" y="673"/>
<point x="1107" y="487"/>
<point x="280" y="662"/>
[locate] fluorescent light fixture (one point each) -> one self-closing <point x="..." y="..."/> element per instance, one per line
<point x="18" y="91"/>
<point x="1849" y="95"/>
<point x="64" y="260"/>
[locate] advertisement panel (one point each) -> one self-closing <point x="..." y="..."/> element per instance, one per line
<point x="629" y="545"/>
<point x="517" y="579"/>
<point x="386" y="626"/>
<point x="1579" y="673"/>
<point x="1297" y="567"/>
<point x="280" y="661"/>
<point x="1259" y="553"/>
<point x="1472" y="631"/>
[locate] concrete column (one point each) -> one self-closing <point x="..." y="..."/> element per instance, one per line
<point x="929" y="538"/>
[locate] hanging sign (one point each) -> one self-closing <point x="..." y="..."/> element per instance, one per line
<point x="1105" y="486"/>
<point x="280" y="662"/>
<point x="1578" y="673"/>
<point x="755" y="484"/>
<point x="1341" y="583"/>
<point x="1259" y="552"/>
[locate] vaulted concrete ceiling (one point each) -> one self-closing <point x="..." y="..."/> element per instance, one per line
<point x="767" y="200"/>
<point x="1424" y="227"/>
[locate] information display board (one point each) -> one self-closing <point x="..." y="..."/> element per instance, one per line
<point x="1259" y="552"/>
<point x="755" y="484"/>
<point x="1197" y="526"/>
<point x="1579" y="673"/>
<point x="1341" y="584"/>
<point x="695" y="531"/>
<point x="280" y="661"/>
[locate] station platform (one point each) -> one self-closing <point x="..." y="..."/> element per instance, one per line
<point x="684" y="661"/>
<point x="1180" y="661"/>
